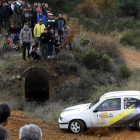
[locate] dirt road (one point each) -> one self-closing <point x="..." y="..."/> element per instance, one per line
<point x="51" y="130"/>
<point x="132" y="58"/>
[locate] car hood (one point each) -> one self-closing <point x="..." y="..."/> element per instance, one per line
<point x="76" y="109"/>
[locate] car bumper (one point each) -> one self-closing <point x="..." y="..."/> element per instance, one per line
<point x="63" y="125"/>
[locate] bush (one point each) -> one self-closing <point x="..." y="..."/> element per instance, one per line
<point x="124" y="72"/>
<point x="84" y="41"/>
<point x="93" y="60"/>
<point x="131" y="38"/>
<point x="78" y="91"/>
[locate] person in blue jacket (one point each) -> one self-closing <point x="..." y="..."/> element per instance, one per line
<point x="42" y="17"/>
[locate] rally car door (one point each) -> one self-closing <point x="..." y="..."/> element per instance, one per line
<point x="107" y="113"/>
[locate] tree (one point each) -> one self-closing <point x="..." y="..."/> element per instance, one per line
<point x="129" y="7"/>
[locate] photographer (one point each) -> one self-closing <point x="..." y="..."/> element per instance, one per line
<point x="34" y="52"/>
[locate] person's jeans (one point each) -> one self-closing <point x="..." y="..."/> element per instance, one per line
<point x="44" y="48"/>
<point x="50" y="49"/>
<point x="57" y="50"/>
<point x="15" y="37"/>
<point x="35" y="55"/>
<point x="26" y="44"/>
<point x="60" y="32"/>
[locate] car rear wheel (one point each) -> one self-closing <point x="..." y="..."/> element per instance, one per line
<point x="138" y="124"/>
<point x="76" y="126"/>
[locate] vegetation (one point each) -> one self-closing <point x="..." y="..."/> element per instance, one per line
<point x="131" y="38"/>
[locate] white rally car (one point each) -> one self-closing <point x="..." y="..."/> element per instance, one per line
<point x="113" y="109"/>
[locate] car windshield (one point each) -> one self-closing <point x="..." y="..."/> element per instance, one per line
<point x="93" y="103"/>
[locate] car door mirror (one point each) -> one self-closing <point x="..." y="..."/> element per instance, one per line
<point x="96" y="110"/>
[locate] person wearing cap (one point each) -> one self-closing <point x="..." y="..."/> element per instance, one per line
<point x="38" y="30"/>
<point x="41" y="16"/>
<point x="57" y="45"/>
<point x="51" y="23"/>
<point x="45" y="39"/>
<point x="16" y="8"/>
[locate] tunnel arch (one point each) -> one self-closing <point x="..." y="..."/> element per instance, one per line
<point x="36" y="84"/>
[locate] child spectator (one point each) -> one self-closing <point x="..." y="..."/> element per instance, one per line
<point x="34" y="52"/>
<point x="57" y="45"/>
<point x="50" y="44"/>
<point x="45" y="39"/>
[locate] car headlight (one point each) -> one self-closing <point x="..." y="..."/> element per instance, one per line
<point x="61" y="118"/>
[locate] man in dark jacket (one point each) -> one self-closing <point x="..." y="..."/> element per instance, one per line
<point x="51" y="23"/>
<point x="25" y="15"/>
<point x="5" y="12"/>
<point x="26" y="39"/>
<point x="12" y="30"/>
<point x="36" y="14"/>
<point x="60" y="22"/>
<point x="50" y="44"/>
<point x="45" y="39"/>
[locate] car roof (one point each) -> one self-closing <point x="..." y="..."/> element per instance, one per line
<point x="120" y="93"/>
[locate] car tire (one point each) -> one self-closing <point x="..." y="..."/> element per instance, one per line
<point x="138" y="124"/>
<point x="76" y="126"/>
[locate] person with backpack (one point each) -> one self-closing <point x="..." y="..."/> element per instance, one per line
<point x="34" y="52"/>
<point x="26" y="39"/>
<point x="45" y="39"/>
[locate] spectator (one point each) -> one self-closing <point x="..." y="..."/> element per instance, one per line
<point x="12" y="30"/>
<point x="20" y="13"/>
<point x="50" y="44"/>
<point x="51" y="23"/>
<point x="65" y="34"/>
<point x="35" y="6"/>
<point x="26" y="39"/>
<point x="0" y="6"/>
<point x="25" y="15"/>
<point x="5" y="12"/>
<point x="36" y="14"/>
<point x="3" y="133"/>
<point x="60" y="22"/>
<point x="30" y="132"/>
<point x="31" y="13"/>
<point x="41" y="16"/>
<point x="39" y="5"/>
<point x="46" y="10"/>
<point x="20" y="27"/>
<point x="4" y="114"/>
<point x="25" y="4"/>
<point x="45" y="39"/>
<point x="16" y="8"/>
<point x="57" y="45"/>
<point x="38" y="30"/>
<point x="1" y="19"/>
<point x="34" y="52"/>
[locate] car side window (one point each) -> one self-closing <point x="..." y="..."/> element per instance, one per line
<point x="131" y="103"/>
<point x="110" y="105"/>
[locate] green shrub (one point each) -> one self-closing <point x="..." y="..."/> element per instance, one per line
<point x="93" y="60"/>
<point x="84" y="41"/>
<point x="131" y="38"/>
<point x="124" y="72"/>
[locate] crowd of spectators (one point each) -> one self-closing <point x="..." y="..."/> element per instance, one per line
<point x="37" y="24"/>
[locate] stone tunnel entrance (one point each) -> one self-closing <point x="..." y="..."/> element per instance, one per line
<point x="36" y="85"/>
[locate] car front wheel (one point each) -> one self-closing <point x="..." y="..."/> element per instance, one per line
<point x="138" y="124"/>
<point x="76" y="126"/>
